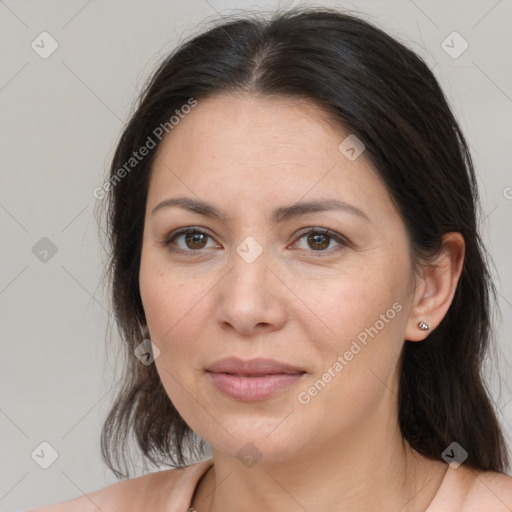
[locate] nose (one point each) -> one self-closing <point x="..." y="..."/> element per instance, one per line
<point x="251" y="298"/>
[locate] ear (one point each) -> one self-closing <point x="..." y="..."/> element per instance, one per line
<point x="436" y="288"/>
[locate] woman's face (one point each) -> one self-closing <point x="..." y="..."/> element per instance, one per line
<point x="258" y="284"/>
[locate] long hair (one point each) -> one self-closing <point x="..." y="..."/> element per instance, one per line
<point x="387" y="96"/>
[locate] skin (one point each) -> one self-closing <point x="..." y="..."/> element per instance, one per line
<point x="343" y="450"/>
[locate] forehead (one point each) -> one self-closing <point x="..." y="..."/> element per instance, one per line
<point x="262" y="150"/>
<point x="251" y="129"/>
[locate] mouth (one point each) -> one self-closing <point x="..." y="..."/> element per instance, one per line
<point x="252" y="380"/>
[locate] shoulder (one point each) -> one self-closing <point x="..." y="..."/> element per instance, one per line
<point x="146" y="491"/>
<point x="490" y="491"/>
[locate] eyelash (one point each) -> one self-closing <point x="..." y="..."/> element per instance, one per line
<point x="166" y="242"/>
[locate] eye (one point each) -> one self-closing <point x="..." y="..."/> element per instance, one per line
<point x="192" y="240"/>
<point x="319" y="239"/>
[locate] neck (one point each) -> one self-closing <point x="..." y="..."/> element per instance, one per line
<point x="357" y="473"/>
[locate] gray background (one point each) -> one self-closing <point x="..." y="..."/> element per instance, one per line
<point x="60" y="119"/>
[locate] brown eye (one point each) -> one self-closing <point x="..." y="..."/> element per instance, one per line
<point x="319" y="239"/>
<point x="195" y="240"/>
<point x="187" y="241"/>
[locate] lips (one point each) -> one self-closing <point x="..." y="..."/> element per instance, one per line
<point x="253" y="380"/>
<point x="252" y="367"/>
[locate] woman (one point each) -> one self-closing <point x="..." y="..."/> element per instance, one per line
<point x="292" y="220"/>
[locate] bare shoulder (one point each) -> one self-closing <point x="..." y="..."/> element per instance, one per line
<point x="145" y="491"/>
<point x="491" y="491"/>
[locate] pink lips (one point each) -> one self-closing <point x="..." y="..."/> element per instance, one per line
<point x="252" y="380"/>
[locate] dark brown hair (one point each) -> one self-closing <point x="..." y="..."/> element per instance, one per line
<point x="385" y="94"/>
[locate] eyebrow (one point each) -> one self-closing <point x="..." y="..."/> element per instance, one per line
<point x="279" y="215"/>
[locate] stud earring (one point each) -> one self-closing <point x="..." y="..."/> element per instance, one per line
<point x="423" y="326"/>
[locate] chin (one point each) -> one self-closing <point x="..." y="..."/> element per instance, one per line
<point x="253" y="443"/>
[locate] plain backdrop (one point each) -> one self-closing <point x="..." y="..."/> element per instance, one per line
<point x="61" y="116"/>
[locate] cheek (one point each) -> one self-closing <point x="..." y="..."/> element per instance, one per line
<point x="172" y="312"/>
<point x="173" y="318"/>
<point x="170" y="308"/>
<point x="356" y="367"/>
<point x="342" y="307"/>
<point x="168" y="299"/>
<point x="357" y="332"/>
<point x="179" y="311"/>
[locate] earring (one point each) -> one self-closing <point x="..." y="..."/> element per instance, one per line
<point x="423" y="326"/>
